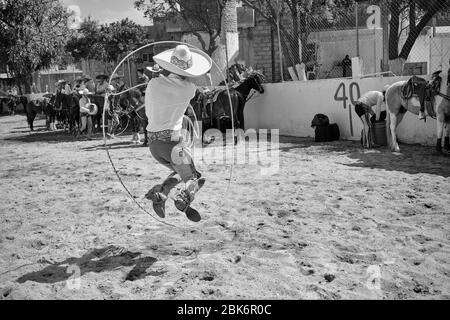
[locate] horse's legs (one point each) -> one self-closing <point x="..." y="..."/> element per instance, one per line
<point x="240" y="117"/>
<point x="440" y="131"/>
<point x="393" y="126"/>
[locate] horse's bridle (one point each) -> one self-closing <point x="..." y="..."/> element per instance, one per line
<point x="260" y="87"/>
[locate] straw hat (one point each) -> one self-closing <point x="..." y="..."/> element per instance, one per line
<point x="156" y="68"/>
<point x="85" y="91"/>
<point x="82" y="79"/>
<point x="184" y="61"/>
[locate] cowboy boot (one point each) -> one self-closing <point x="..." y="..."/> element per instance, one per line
<point x="447" y="143"/>
<point x="185" y="197"/>
<point x="159" y="193"/>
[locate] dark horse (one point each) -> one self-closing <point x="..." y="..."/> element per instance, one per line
<point x="132" y="100"/>
<point x="217" y="114"/>
<point x="32" y="108"/>
<point x="50" y="112"/>
<point x="67" y="106"/>
<point x="98" y="100"/>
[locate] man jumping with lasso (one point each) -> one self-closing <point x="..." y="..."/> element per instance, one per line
<point x="166" y="100"/>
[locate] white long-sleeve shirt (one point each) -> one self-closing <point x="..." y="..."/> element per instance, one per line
<point x="166" y="100"/>
<point x="373" y="98"/>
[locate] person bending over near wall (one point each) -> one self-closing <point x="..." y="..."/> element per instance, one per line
<point x="364" y="110"/>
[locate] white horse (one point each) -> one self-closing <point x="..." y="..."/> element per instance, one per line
<point x="396" y="108"/>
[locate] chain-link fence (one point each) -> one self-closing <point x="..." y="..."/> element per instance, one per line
<point x="318" y="39"/>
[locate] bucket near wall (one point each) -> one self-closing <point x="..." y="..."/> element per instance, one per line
<point x="379" y="133"/>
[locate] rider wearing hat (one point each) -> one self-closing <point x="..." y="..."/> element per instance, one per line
<point x="101" y="86"/>
<point x="142" y="79"/>
<point x="166" y="100"/>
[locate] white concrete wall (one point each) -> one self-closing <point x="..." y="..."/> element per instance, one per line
<point x="440" y="52"/>
<point x="290" y="107"/>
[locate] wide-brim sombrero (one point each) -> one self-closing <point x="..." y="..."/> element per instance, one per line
<point x="154" y="69"/>
<point x="201" y="63"/>
<point x="82" y="78"/>
<point x="85" y="91"/>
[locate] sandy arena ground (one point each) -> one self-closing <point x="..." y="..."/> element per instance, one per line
<point x="333" y="219"/>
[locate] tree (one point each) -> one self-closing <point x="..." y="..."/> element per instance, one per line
<point x="419" y="13"/>
<point x="120" y="38"/>
<point x="198" y="15"/>
<point x="85" y="43"/>
<point x="107" y="43"/>
<point x="302" y="15"/>
<point x="32" y="36"/>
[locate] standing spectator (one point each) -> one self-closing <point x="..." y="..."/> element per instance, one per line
<point x="34" y="88"/>
<point x="346" y="67"/>
<point x="142" y="78"/>
<point x="14" y="91"/>
<point x="100" y="92"/>
<point x="80" y="84"/>
<point x="89" y="83"/>
<point x="86" y="118"/>
<point x="65" y="87"/>
<point x="60" y="86"/>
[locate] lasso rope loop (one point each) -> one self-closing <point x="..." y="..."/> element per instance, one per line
<point x="196" y="132"/>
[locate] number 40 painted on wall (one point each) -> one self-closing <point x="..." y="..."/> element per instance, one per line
<point x="338" y="96"/>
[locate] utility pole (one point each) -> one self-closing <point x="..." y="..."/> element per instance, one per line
<point x="279" y="40"/>
<point x="357" y="29"/>
<point x="385" y="26"/>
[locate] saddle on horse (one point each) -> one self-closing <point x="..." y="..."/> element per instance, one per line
<point x="208" y="96"/>
<point x="423" y="90"/>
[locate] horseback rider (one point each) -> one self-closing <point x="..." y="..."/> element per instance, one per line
<point x="166" y="100"/>
<point x="363" y="109"/>
<point x="142" y="79"/>
<point x="117" y="85"/>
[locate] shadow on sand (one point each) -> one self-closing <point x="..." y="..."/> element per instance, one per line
<point x="42" y="135"/>
<point x="114" y="145"/>
<point x="413" y="159"/>
<point x="97" y="260"/>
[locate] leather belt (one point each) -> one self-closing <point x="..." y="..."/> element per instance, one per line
<point x="164" y="135"/>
